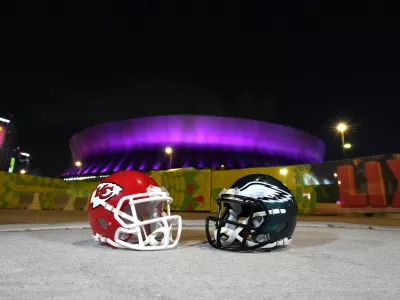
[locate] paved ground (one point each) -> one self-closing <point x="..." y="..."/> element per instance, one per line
<point x="17" y="216"/>
<point x="325" y="261"/>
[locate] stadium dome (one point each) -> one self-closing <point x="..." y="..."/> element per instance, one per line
<point x="195" y="141"/>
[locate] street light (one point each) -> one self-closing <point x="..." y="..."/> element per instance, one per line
<point x="168" y="151"/>
<point x="283" y="171"/>
<point x="347" y="146"/>
<point x="342" y="127"/>
<point x="22" y="171"/>
<point x="78" y="164"/>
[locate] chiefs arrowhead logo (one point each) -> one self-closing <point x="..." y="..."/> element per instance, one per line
<point x="104" y="192"/>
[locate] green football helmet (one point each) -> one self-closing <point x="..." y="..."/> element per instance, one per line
<point x="259" y="213"/>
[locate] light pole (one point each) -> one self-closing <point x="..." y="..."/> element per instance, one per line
<point x="168" y="151"/>
<point x="342" y="127"/>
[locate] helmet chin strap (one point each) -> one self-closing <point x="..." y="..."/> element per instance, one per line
<point x="232" y="231"/>
<point x="152" y="238"/>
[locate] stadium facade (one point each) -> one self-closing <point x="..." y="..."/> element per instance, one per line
<point x="196" y="141"/>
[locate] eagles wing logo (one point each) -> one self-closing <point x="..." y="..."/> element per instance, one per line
<point x="104" y="192"/>
<point x="266" y="192"/>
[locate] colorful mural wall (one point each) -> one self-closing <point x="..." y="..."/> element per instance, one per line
<point x="368" y="184"/>
<point x="190" y="188"/>
<point x="35" y="192"/>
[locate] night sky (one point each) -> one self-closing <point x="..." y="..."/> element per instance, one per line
<point x="62" y="74"/>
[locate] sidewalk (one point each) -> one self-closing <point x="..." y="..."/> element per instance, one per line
<point x="16" y="216"/>
<point x="196" y="225"/>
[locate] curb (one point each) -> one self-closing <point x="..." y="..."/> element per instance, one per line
<point x="190" y="225"/>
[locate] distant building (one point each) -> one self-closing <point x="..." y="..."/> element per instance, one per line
<point x="202" y="142"/>
<point x="8" y="143"/>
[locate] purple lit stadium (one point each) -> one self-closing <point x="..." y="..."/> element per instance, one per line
<point x="197" y="141"/>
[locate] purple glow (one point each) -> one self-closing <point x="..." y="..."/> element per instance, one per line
<point x="198" y="132"/>
<point x="97" y="168"/>
<point x="156" y="165"/>
<point x="89" y="168"/>
<point x="106" y="168"/>
<point x="200" y="164"/>
<point x="130" y="166"/>
<point x="119" y="164"/>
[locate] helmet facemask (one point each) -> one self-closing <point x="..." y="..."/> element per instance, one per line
<point x="242" y="224"/>
<point x="143" y="223"/>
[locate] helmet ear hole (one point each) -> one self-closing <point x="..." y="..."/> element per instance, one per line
<point x="103" y="223"/>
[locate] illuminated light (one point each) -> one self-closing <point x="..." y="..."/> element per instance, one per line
<point x="119" y="164"/>
<point x="341" y="127"/>
<point x="106" y="168"/>
<point x="283" y="171"/>
<point x="24" y="154"/>
<point x="85" y="171"/>
<point x="326" y="181"/>
<point x="83" y="177"/>
<point x="4" y="120"/>
<point x="338" y="202"/>
<point x="222" y="166"/>
<point x="23" y="171"/>
<point x="339" y="182"/>
<point x="335" y="174"/>
<point x="168" y="150"/>
<point x="347" y="146"/>
<point x="98" y="166"/>
<point x="78" y="163"/>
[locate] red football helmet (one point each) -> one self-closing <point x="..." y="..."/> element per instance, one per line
<point x="126" y="211"/>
